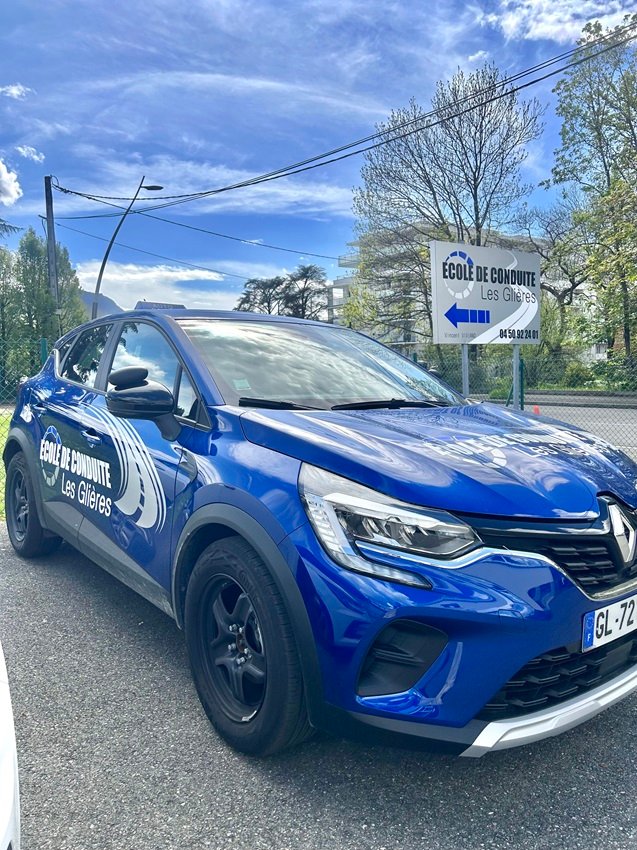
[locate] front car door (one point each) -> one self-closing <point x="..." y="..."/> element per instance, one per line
<point x="134" y="533"/>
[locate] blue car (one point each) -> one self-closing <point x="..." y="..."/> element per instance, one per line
<point x="346" y="542"/>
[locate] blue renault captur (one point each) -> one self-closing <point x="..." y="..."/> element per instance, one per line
<point x="346" y="541"/>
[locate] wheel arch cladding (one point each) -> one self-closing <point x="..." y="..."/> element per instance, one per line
<point x="17" y="442"/>
<point x="213" y="522"/>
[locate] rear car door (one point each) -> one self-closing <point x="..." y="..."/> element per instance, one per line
<point x="61" y="408"/>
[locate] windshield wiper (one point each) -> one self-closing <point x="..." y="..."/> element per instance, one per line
<point x="273" y="404"/>
<point x="391" y="403"/>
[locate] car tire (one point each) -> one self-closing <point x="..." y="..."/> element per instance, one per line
<point x="27" y="536"/>
<point x="242" y="651"/>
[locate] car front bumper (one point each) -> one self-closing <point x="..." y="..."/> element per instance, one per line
<point x="500" y="612"/>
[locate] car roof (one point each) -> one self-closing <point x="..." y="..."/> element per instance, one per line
<point x="175" y="313"/>
<point x="188" y="313"/>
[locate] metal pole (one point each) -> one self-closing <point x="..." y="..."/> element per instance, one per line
<point x="516" y="377"/>
<point x="465" y="369"/>
<point x="50" y="243"/>
<point x="108" y="250"/>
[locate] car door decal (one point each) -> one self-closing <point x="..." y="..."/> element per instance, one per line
<point x="140" y="496"/>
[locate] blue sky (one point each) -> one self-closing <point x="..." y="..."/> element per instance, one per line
<point x="203" y="93"/>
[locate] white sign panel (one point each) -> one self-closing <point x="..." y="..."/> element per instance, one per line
<point x="484" y="295"/>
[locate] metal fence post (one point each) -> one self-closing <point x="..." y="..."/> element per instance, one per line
<point x="516" y="377"/>
<point x="465" y="369"/>
<point x="44" y="353"/>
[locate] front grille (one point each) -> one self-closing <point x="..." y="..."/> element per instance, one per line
<point x="560" y="675"/>
<point x="593" y="562"/>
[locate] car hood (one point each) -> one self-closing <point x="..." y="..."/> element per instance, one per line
<point x="479" y="458"/>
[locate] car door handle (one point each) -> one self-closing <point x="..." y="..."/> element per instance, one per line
<point x="38" y="408"/>
<point x="91" y="437"/>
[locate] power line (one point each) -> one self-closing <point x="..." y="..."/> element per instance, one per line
<point x="313" y="162"/>
<point x="198" y="229"/>
<point x="151" y="254"/>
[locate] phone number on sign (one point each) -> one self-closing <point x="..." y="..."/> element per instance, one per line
<point x="521" y="333"/>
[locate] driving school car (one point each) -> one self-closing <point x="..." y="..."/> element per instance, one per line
<point x="346" y="541"/>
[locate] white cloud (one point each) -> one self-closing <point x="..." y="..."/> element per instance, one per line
<point x="478" y="57"/>
<point x="16" y="91"/>
<point x="29" y="152"/>
<point x="560" y="22"/>
<point x="128" y="283"/>
<point x="289" y="95"/>
<point x="10" y="189"/>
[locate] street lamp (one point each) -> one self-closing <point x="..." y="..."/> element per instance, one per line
<point x="151" y="188"/>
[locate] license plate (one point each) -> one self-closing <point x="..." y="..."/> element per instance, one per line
<point x="609" y="623"/>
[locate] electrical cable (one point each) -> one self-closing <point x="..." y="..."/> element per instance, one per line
<point x="196" y="228"/>
<point x="151" y="254"/>
<point x="312" y="162"/>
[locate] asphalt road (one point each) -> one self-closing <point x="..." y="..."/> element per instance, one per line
<point x="617" y="425"/>
<point x="115" y="751"/>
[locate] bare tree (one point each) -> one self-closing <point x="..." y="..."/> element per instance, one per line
<point x="455" y="176"/>
<point x="561" y="237"/>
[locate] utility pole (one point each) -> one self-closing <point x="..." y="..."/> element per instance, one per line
<point x="50" y="244"/>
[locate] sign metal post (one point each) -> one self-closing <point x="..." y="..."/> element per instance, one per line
<point x="516" y="377"/>
<point x="465" y="369"/>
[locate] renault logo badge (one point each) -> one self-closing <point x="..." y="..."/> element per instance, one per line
<point x="624" y="532"/>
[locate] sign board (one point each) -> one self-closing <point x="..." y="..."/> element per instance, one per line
<point x="484" y="295"/>
<point x="157" y="305"/>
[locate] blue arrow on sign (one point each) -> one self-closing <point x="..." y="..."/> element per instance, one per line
<point x="469" y="317"/>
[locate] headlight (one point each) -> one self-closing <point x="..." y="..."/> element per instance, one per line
<point x="343" y="514"/>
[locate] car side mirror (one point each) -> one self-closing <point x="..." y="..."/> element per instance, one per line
<point x="135" y="397"/>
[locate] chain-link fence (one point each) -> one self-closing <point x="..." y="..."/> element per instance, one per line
<point x="586" y="389"/>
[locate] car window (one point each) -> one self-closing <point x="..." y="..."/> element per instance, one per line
<point x="315" y="365"/>
<point x="83" y="360"/>
<point x="187" y="401"/>
<point x="63" y="349"/>
<point x="141" y="344"/>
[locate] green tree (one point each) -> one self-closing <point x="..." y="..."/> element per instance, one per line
<point x="37" y="315"/>
<point x="7" y="229"/>
<point x="301" y="293"/>
<point x="8" y="314"/>
<point x="263" y="295"/>
<point x="597" y="102"/>
<point x="361" y="307"/>
<point x="612" y="260"/>
<point x="305" y="296"/>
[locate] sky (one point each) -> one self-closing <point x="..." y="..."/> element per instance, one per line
<point x="200" y="94"/>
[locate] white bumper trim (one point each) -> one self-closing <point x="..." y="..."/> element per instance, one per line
<point x="503" y="734"/>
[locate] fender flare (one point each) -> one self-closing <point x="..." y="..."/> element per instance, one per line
<point x="25" y="445"/>
<point x="282" y="571"/>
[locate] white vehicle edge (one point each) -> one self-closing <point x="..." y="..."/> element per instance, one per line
<point x="9" y="793"/>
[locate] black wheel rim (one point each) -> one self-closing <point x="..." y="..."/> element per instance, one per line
<point x="18" y="507"/>
<point x="232" y="649"/>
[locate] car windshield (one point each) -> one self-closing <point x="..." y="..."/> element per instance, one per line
<point x="315" y="366"/>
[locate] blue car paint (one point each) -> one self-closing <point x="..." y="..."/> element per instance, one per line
<point x="476" y="460"/>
